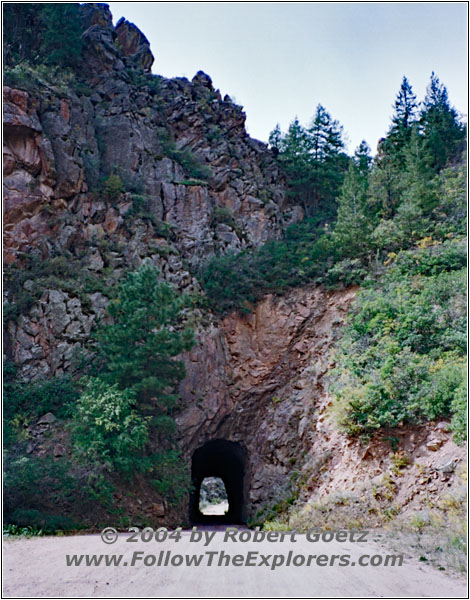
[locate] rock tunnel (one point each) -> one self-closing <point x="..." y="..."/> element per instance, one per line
<point x="227" y="460"/>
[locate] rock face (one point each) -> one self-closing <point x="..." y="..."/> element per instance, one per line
<point x="120" y="167"/>
<point x="257" y="380"/>
<point x="133" y="43"/>
<point x="173" y="143"/>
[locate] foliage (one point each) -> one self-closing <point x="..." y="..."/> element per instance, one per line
<point x="26" y="531"/>
<point x="112" y="187"/>
<point x="33" y="522"/>
<point x="131" y="399"/>
<point x="26" y="285"/>
<point x="313" y="161"/>
<point x="354" y="225"/>
<point x="61" y="41"/>
<point x="137" y="349"/>
<point x="390" y="204"/>
<point x="144" y="80"/>
<point x="401" y="357"/>
<point x="459" y="412"/>
<point x="234" y="281"/>
<point x="184" y="157"/>
<point x="171" y="476"/>
<point x="23" y="402"/>
<point x="51" y="395"/>
<point x="47" y="33"/>
<point x="443" y="133"/>
<point x="107" y="429"/>
<point x="31" y="482"/>
<point x="405" y="116"/>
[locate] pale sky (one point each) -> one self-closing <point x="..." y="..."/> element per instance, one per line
<point x="279" y="60"/>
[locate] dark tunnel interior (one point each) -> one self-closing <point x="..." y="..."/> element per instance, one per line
<point x="227" y="460"/>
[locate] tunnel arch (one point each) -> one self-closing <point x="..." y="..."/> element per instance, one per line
<point x="227" y="460"/>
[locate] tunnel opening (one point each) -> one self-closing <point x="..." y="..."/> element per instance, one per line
<point x="227" y="461"/>
<point x="213" y="497"/>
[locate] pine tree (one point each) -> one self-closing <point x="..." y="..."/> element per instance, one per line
<point x="61" y="41"/>
<point x="442" y="130"/>
<point x="386" y="180"/>
<point x="405" y="110"/>
<point x="354" y="223"/>
<point x="20" y="29"/>
<point x="139" y="347"/>
<point x="328" y="161"/>
<point x="363" y="158"/>
<point x="325" y="136"/>
<point x="275" y="139"/>
<point x="419" y="186"/>
<point x="402" y="122"/>
<point x="294" y="157"/>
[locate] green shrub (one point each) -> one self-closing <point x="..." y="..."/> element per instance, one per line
<point x="23" y="402"/>
<point x="42" y="274"/>
<point x="106" y="428"/>
<point x="192" y="166"/>
<point x="26" y="531"/>
<point x="55" y="395"/>
<point x="31" y="483"/>
<point x="401" y="356"/>
<point x="38" y="521"/>
<point x="171" y="476"/>
<point x="234" y="281"/>
<point x="459" y="413"/>
<point x="442" y="386"/>
<point x="112" y="187"/>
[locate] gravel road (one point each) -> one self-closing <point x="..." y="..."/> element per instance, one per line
<point x="36" y="567"/>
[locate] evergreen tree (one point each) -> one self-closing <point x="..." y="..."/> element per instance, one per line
<point x="418" y="175"/>
<point x="43" y="33"/>
<point x="20" y="28"/>
<point x="385" y="180"/>
<point x="139" y="347"/>
<point x="354" y="224"/>
<point x="329" y="162"/>
<point x="61" y="42"/>
<point x="363" y="158"/>
<point x="275" y="139"/>
<point x="442" y="130"/>
<point x="294" y="156"/>
<point x="391" y="155"/>
<point x="405" y="112"/>
<point x="325" y="136"/>
<point x="389" y="164"/>
<point x="314" y="162"/>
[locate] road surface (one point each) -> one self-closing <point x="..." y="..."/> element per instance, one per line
<point x="215" y="509"/>
<point x="36" y="567"/>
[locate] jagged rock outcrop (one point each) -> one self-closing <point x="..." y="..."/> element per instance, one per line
<point x="188" y="183"/>
<point x="132" y="42"/>
<point x="176" y="143"/>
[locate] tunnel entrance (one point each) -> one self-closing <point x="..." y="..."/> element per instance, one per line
<point x="226" y="460"/>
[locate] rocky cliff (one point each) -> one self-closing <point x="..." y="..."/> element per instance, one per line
<point x="122" y="165"/>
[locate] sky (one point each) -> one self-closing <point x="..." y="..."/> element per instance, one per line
<point x="279" y="60"/>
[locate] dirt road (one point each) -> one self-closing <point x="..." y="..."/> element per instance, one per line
<point x="215" y="509"/>
<point x="36" y="567"/>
